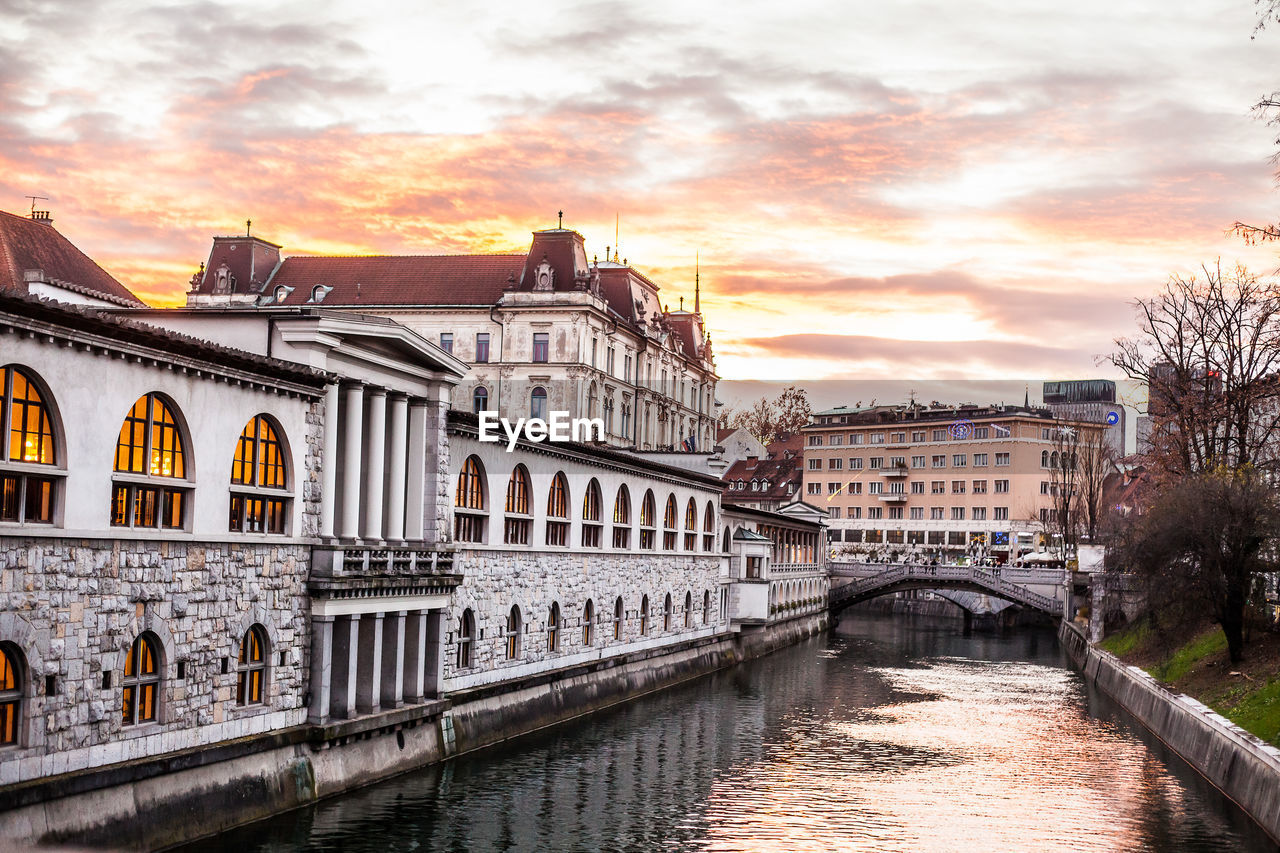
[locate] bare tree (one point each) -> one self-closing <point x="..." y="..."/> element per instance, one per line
<point x="1064" y="490"/>
<point x="767" y="420"/>
<point x="1096" y="462"/>
<point x="1207" y="350"/>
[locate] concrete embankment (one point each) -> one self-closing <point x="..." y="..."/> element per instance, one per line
<point x="1244" y="768"/>
<point x="152" y="803"/>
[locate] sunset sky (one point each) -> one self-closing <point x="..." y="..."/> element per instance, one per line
<point x="877" y="190"/>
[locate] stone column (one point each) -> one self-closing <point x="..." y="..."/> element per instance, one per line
<point x="415" y="648"/>
<point x="329" y="462"/>
<point x="393" y="660"/>
<point x="415" y="478"/>
<point x="375" y="464"/>
<point x="369" y="675"/>
<point x="345" y="649"/>
<point x="321" y="668"/>
<point x="350" y="527"/>
<point x="433" y="658"/>
<point x="398" y="453"/>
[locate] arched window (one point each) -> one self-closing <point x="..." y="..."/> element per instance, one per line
<point x="1054" y="460"/>
<point x="142" y="681"/>
<point x="592" y="397"/>
<point x="466" y="638"/>
<point x="150" y="448"/>
<point x="558" y="512"/>
<point x="252" y="669"/>
<point x="622" y="518"/>
<point x="688" y="609"/>
<point x="709" y="528"/>
<point x="518" y="521"/>
<point x="479" y="399"/>
<point x="538" y="403"/>
<point x="691" y="525"/>
<point x="591" y="510"/>
<point x="553" y="628"/>
<point x="1044" y="459"/>
<point x="706" y="607"/>
<point x="514" y="627"/>
<point x="669" y="524"/>
<point x="618" y="615"/>
<point x="726" y="544"/>
<point x="470" y="509"/>
<point x="26" y="497"/>
<point x="644" y="616"/>
<point x="258" y="475"/>
<point x="12" y="678"/>
<point x="588" y="623"/>
<point x="666" y="613"/>
<point x="648" y="521"/>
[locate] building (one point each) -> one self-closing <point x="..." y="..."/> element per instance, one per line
<point x="253" y="573"/>
<point x="35" y="259"/>
<point x="544" y="331"/>
<point x="935" y="480"/>
<point x="736" y="444"/>
<point x="1091" y="400"/>
<point x="768" y="481"/>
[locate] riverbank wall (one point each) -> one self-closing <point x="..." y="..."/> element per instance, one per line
<point x="1244" y="768"/>
<point x="158" y="802"/>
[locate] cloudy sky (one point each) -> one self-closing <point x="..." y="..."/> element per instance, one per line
<point x="936" y="188"/>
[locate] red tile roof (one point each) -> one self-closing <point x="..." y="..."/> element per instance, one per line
<point x="397" y="279"/>
<point x="27" y="244"/>
<point x="779" y="468"/>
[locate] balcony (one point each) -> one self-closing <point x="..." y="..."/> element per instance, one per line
<point x="893" y="498"/>
<point x="347" y="571"/>
<point x="895" y="471"/>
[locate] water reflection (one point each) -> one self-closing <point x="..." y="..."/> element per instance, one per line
<point x="889" y="735"/>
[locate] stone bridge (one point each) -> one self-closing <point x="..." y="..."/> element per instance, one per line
<point x="1040" y="589"/>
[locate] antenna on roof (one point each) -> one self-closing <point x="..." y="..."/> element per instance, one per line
<point x="697" y="296"/>
<point x="248" y="224"/>
<point x="560" y="225"/>
<point x="34" y="199"/>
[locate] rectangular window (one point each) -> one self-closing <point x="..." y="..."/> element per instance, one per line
<point x="855" y="438"/>
<point x="957" y="513"/>
<point x="855" y="463"/>
<point x="855" y="512"/>
<point x="875" y="487"/>
<point x="935" y="513"/>
<point x="541" y="347"/>
<point x="981" y="432"/>
<point x="1044" y="487"/>
<point x="446" y="341"/>
<point x="593" y="352"/>
<point x="835" y="511"/>
<point x="813" y="488"/>
<point x="979" y="459"/>
<point x="626" y="368"/>
<point x="837" y="440"/>
<point x="939" y="435"/>
<point x="959" y="460"/>
<point x="815" y="464"/>
<point x="979" y="513"/>
<point x="917" y="461"/>
<point x="875" y="513"/>
<point x="979" y="487"/>
<point x="608" y="361"/>
<point x="897" y="462"/>
<point x="895" y="512"/>
<point x="1001" y="513"/>
<point x="939" y="461"/>
<point x="833" y="488"/>
<point x="917" y="487"/>
<point x="899" y="438"/>
<point x="957" y="487"/>
<point x="876" y="462"/>
<point x="877" y="438"/>
<point x="854" y="489"/>
<point x="938" y="487"/>
<point x="835" y="463"/>
<point x="1046" y="434"/>
<point x="1002" y="487"/>
<point x="815" y="441"/>
<point x="482" y="348"/>
<point x="917" y="436"/>
<point x="1002" y="458"/>
<point x="917" y="513"/>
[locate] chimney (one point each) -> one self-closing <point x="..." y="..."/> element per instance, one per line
<point x="41" y="216"/>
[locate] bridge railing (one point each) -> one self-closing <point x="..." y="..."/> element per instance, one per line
<point x="994" y="580"/>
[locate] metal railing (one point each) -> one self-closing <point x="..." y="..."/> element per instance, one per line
<point x="1005" y="583"/>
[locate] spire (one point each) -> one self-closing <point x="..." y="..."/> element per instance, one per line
<point x="1026" y="397"/>
<point x="697" y="295"/>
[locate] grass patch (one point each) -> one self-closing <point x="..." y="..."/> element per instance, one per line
<point x="1254" y="709"/>
<point x="1209" y="642"/>
<point x="1127" y="639"/>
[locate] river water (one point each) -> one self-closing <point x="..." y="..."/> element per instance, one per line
<point x="889" y="734"/>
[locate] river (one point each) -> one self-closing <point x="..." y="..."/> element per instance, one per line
<point x="888" y="734"/>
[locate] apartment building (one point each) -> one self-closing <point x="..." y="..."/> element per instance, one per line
<point x="935" y="481"/>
